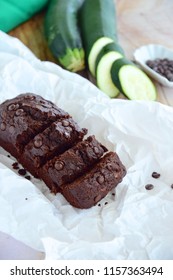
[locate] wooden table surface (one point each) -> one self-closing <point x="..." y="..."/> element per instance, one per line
<point x="139" y="23"/>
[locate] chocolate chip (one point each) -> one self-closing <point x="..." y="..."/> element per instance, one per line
<point x="109" y="166"/>
<point x="22" y="172"/>
<point x="39" y="107"/>
<point x="30" y="97"/>
<point x="112" y="167"/>
<point x="19" y="112"/>
<point x="162" y="66"/>
<point x="149" y="187"/>
<point x="49" y="114"/>
<point x="15" y="165"/>
<point x="67" y="134"/>
<point x="170" y="76"/>
<point x="172" y="186"/>
<point x="65" y="123"/>
<point x="42" y="102"/>
<point x="103" y="189"/>
<point x="106" y="203"/>
<point x="3" y="114"/>
<point x="97" y="198"/>
<point x="59" y="165"/>
<point x="155" y="175"/>
<point x="38" y="142"/>
<point x="100" y="179"/>
<point x="8" y="156"/>
<point x="3" y="126"/>
<point x="116" y="175"/>
<point x="11" y="107"/>
<point x="96" y="150"/>
<point x="28" y="177"/>
<point x="69" y="128"/>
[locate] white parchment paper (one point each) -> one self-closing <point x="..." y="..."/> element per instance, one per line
<point x="132" y="224"/>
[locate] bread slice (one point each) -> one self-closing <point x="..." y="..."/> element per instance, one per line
<point x="87" y="190"/>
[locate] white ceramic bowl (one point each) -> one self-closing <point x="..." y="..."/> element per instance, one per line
<point x="144" y="53"/>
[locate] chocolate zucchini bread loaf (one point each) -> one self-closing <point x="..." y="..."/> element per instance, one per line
<point x="51" y="146"/>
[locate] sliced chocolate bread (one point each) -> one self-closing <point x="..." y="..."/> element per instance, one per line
<point x="49" y="144"/>
<point x="54" y="140"/>
<point x="74" y="162"/>
<point x="88" y="189"/>
<point x="23" y="117"/>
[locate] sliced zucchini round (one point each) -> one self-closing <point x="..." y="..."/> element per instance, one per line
<point x="132" y="81"/>
<point x="109" y="48"/>
<point x="97" y="47"/>
<point x="103" y="74"/>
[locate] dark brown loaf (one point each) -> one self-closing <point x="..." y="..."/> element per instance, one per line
<point x="90" y="188"/>
<point x="55" y="139"/>
<point x="49" y="144"/>
<point x="71" y="164"/>
<point x="23" y="117"/>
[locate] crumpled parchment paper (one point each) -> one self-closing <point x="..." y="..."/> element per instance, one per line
<point x="131" y="222"/>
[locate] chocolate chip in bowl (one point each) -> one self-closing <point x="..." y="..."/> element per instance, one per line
<point x="162" y="66"/>
<point x="157" y="62"/>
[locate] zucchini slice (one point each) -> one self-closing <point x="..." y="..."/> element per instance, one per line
<point x="97" y="47"/>
<point x="103" y="73"/>
<point x="63" y="35"/>
<point x="132" y="81"/>
<point x="111" y="47"/>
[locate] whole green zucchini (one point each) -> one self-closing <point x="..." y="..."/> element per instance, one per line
<point x="63" y="35"/>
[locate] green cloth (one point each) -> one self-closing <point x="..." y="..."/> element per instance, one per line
<point x="15" y="12"/>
